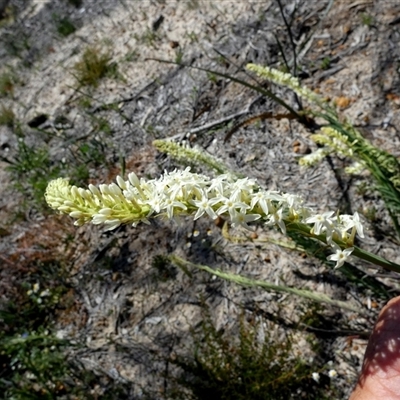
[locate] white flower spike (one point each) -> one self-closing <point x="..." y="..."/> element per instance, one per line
<point x="178" y="193"/>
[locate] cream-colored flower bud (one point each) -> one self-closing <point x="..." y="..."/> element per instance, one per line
<point x="106" y="211"/>
<point x="94" y="190"/>
<point x="121" y="183"/>
<point x="76" y="214"/>
<point x="133" y="179"/>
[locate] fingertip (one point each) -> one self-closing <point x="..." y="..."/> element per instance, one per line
<point x="380" y="374"/>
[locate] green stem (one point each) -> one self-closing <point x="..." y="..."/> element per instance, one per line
<point x="258" y="89"/>
<point x="241" y="280"/>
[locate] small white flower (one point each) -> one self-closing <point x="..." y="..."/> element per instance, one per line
<point x="243" y="185"/>
<point x="332" y="373"/>
<point x="205" y="206"/>
<point x="60" y="334"/>
<point x="45" y="293"/>
<point x="241" y="219"/>
<point x="293" y="200"/>
<point x="340" y="255"/>
<point x="353" y="221"/>
<point x="276" y="218"/>
<point x="219" y="185"/>
<point x="170" y="204"/>
<point x="321" y="222"/>
<point x="262" y="199"/>
<point x="231" y="204"/>
<point x="315" y="376"/>
<point x="155" y="202"/>
<point x="30" y="376"/>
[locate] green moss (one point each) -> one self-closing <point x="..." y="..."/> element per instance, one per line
<point x="7" y="116"/>
<point x="7" y="83"/>
<point x="367" y="19"/>
<point x="325" y="63"/>
<point x="65" y="27"/>
<point x="94" y="65"/>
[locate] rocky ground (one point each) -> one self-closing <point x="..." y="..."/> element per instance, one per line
<point x="116" y="302"/>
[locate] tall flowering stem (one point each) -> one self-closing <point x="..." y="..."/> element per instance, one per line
<point x="341" y="137"/>
<point x="287" y="80"/>
<point x="190" y="155"/>
<point x="178" y="193"/>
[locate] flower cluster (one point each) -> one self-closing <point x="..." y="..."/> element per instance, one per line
<point x="313" y="158"/>
<point x="184" y="193"/>
<point x="287" y="80"/>
<point x="333" y="142"/>
<point x="41" y="296"/>
<point x="189" y="155"/>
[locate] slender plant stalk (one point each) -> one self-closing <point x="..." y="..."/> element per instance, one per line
<point x="289" y="31"/>
<point x="243" y="281"/>
<point x="258" y="89"/>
